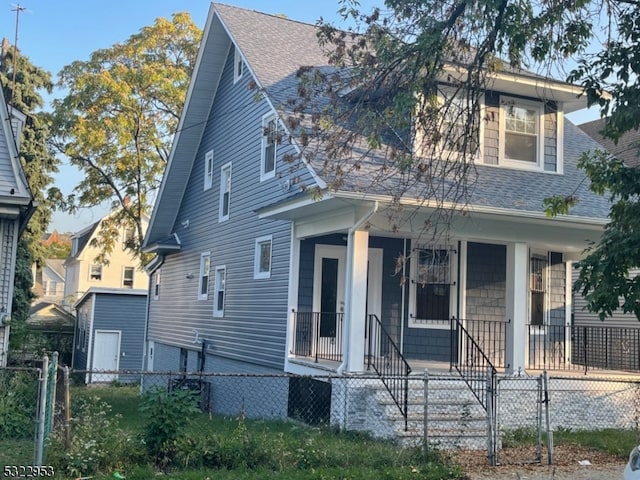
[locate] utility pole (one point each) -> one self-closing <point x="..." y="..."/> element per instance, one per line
<point x="18" y="9"/>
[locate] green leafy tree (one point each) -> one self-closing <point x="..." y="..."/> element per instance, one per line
<point x="117" y="121"/>
<point x="22" y="84"/>
<point x="389" y="103"/>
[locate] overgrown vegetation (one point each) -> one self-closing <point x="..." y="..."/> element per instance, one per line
<point x="18" y="400"/>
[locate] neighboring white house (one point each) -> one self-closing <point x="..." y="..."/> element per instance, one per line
<point x="84" y="272"/>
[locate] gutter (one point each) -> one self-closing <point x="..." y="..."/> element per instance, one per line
<point x="347" y="326"/>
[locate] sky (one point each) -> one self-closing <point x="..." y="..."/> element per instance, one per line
<point x="54" y="33"/>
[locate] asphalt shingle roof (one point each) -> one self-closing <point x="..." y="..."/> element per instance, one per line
<point x="626" y="149"/>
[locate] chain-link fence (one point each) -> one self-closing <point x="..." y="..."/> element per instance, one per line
<point x="441" y="410"/>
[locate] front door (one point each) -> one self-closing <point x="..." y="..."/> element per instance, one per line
<point x="106" y="355"/>
<point x="329" y="292"/>
<point x="328" y="300"/>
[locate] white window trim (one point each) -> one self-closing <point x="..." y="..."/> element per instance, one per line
<point x="223" y="186"/>
<point x="203" y="261"/>
<point x="257" y="274"/>
<point x="124" y="269"/>
<point x="217" y="289"/>
<point x="237" y="58"/>
<point x="208" y="170"/>
<point x="263" y="145"/>
<point x="91" y="265"/>
<point x="453" y="290"/>
<point x="506" y="101"/>
<point x="156" y="285"/>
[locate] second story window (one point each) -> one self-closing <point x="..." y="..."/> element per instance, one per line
<point x="238" y="66"/>
<point x="128" y="238"/>
<point x="208" y="170"/>
<point x="95" y="272"/>
<point x="205" y="267"/>
<point x="127" y="277"/>
<point x="225" y="192"/>
<point x="262" y="260"/>
<point x="269" y="146"/>
<point x="521" y="133"/>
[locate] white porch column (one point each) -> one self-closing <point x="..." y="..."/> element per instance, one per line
<point x="516" y="306"/>
<point x="355" y="300"/>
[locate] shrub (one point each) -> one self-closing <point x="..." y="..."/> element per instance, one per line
<point x="18" y="401"/>
<point x="167" y="415"/>
<point x="98" y="444"/>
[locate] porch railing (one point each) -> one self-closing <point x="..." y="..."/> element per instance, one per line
<point x="571" y="347"/>
<point x="473" y="365"/>
<point x="383" y="356"/>
<point x="318" y="335"/>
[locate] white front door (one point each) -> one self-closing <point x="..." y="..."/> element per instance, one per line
<point x="106" y="355"/>
<point x="329" y="285"/>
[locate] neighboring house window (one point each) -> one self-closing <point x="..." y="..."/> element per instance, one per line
<point x="127" y="238"/>
<point x="225" y="192"/>
<point x="431" y="287"/>
<point x="537" y="286"/>
<point x="238" y="66"/>
<point x="208" y="170"/>
<point x="95" y="272"/>
<point x="156" y="285"/>
<point x="262" y="260"/>
<point x="269" y="146"/>
<point x="127" y="277"/>
<point x="521" y="133"/>
<point x="51" y="287"/>
<point x="218" y="301"/>
<point x="205" y="267"/>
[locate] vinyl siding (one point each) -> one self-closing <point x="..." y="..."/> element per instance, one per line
<point x="83" y="318"/>
<point x="7" y="175"/>
<point x="255" y="311"/>
<point x="125" y="313"/>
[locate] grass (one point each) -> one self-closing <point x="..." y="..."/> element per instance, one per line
<point x="16" y="452"/>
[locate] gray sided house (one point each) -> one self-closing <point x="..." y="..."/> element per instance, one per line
<point x="16" y="207"/>
<point x="109" y="333"/>
<point x="254" y="274"/>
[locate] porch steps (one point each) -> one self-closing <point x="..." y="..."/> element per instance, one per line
<point x="455" y="418"/>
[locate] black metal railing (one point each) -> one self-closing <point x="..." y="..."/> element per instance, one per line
<point x="469" y="360"/>
<point x="570" y="347"/>
<point x="490" y="336"/>
<point x="383" y="356"/>
<point x="318" y="335"/>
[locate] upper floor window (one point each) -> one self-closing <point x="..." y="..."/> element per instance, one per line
<point x="225" y="192"/>
<point x="262" y="260"/>
<point x="208" y="170"/>
<point x="95" y="272"/>
<point x="205" y="267"/>
<point x="128" y="236"/>
<point x="521" y="133"/>
<point x="269" y="146"/>
<point x="432" y="289"/>
<point x="238" y="66"/>
<point x="218" y="301"/>
<point x="156" y="285"/>
<point x="127" y="277"/>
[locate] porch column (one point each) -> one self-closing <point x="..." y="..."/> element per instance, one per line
<point x="356" y="300"/>
<point x="516" y="306"/>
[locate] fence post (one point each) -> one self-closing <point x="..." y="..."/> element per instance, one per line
<point x="52" y="383"/>
<point x="425" y="409"/>
<point x="491" y="417"/>
<point x="540" y="402"/>
<point x="42" y="406"/>
<point x="67" y="408"/>
<point x="545" y="379"/>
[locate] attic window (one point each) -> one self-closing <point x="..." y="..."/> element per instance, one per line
<point x="521" y="133"/>
<point x="238" y="66"/>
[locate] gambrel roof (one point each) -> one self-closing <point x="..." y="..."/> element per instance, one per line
<point x="274" y="48"/>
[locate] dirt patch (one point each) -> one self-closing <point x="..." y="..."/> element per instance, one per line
<point x="517" y="463"/>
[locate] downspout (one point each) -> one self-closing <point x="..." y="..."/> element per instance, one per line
<point x="347" y="326"/>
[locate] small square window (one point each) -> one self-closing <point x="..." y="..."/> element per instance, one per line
<point x="156" y="285"/>
<point x="262" y="262"/>
<point x="269" y="146"/>
<point x="95" y="272"/>
<point x="218" y="302"/>
<point x="205" y="267"/>
<point x="127" y="277"/>
<point x="208" y="170"/>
